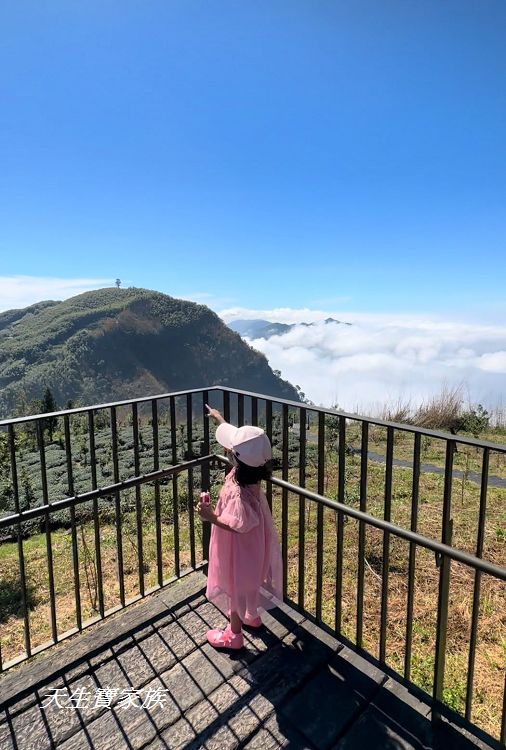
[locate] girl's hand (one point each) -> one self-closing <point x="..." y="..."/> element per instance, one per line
<point x="206" y="512"/>
<point x="214" y="414"/>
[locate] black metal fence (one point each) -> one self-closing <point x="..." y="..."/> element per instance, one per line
<point x="392" y="536"/>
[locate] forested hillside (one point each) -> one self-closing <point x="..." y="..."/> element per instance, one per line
<point x="113" y="344"/>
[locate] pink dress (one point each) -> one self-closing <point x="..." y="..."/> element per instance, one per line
<point x="245" y="572"/>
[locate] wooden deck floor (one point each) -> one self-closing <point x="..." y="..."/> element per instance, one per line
<point x="163" y="687"/>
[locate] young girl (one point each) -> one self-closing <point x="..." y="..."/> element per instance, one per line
<point x="245" y="573"/>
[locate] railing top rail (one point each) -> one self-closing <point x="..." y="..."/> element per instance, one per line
<point x="370" y="420"/>
<point x="96" y="407"/>
<point x="499" y="447"/>
<point x="410" y="536"/>
<point x="83" y="497"/>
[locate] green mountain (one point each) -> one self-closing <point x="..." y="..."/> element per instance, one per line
<point x="113" y="344"/>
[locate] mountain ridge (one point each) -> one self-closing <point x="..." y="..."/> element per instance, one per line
<point x="113" y="344"/>
<point x="259" y="328"/>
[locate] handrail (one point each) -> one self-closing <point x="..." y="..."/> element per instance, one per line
<point x="499" y="447"/>
<point x="84" y="497"/>
<point x="410" y="536"/>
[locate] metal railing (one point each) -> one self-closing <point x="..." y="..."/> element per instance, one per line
<point x="156" y="444"/>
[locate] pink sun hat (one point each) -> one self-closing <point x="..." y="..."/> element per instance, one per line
<point x="249" y="444"/>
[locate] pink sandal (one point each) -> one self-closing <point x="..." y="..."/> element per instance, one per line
<point x="225" y="638"/>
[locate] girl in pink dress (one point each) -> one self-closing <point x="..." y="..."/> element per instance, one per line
<point x="245" y="572"/>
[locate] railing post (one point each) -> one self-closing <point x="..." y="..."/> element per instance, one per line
<point x="319" y="515"/>
<point x="386" y="545"/>
<point x="284" y="500"/>
<point x="117" y="506"/>
<point x="415" y="488"/>
<point x="156" y="466"/>
<point x="341" y="492"/>
<point x="96" y="521"/>
<point x="477" y="584"/>
<point x="175" y="498"/>
<point x="22" y="571"/>
<point x="189" y="453"/>
<point x="205" y="477"/>
<point x="361" y="534"/>
<point x="75" y="549"/>
<point x="444" y="578"/>
<point x="47" y="522"/>
<point x="302" y="506"/>
<point x="138" y="499"/>
<point x="268" y="431"/>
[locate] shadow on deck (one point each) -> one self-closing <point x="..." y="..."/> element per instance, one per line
<point x="292" y="686"/>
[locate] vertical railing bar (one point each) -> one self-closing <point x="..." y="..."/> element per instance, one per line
<point x="226" y="406"/>
<point x="156" y="466"/>
<point x="96" y="523"/>
<point x="444" y="578"/>
<point x="254" y="411"/>
<point x="477" y="583"/>
<point x="415" y="488"/>
<point x="319" y="515"/>
<point x="268" y="430"/>
<point x="117" y="505"/>
<point x="175" y="500"/>
<point x="284" y="500"/>
<point x="340" y="523"/>
<point x="386" y="544"/>
<point x="240" y="409"/>
<point x="75" y="548"/>
<point x="205" y="475"/>
<point x="361" y="533"/>
<point x="302" y="506"/>
<point x="191" y="517"/>
<point x="21" y="556"/>
<point x="49" y="550"/>
<point x="138" y="498"/>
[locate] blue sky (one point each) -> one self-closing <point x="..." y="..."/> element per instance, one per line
<point x="295" y="154"/>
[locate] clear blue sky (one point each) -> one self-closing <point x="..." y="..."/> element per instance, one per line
<point x="272" y="153"/>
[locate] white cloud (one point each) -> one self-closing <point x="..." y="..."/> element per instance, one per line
<point x="278" y="315"/>
<point x="21" y="291"/>
<point x="383" y="358"/>
<point x="493" y="362"/>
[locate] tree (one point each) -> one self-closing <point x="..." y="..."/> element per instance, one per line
<point x="28" y="494"/>
<point x="476" y="421"/>
<point x="302" y="396"/>
<point x="48" y="405"/>
<point x="118" y="283"/>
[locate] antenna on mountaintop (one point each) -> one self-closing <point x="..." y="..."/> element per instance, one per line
<point x="118" y="283"/>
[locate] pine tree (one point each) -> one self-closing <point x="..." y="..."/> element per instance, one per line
<point x="47" y="405"/>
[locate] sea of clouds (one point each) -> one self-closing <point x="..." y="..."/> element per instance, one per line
<point x="380" y="360"/>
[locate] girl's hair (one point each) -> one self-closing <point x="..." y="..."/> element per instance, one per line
<point x="245" y="474"/>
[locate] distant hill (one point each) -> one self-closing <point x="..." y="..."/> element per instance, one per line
<point x="113" y="344"/>
<point x="264" y="329"/>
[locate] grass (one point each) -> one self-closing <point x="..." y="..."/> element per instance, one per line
<point x="491" y="648"/>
